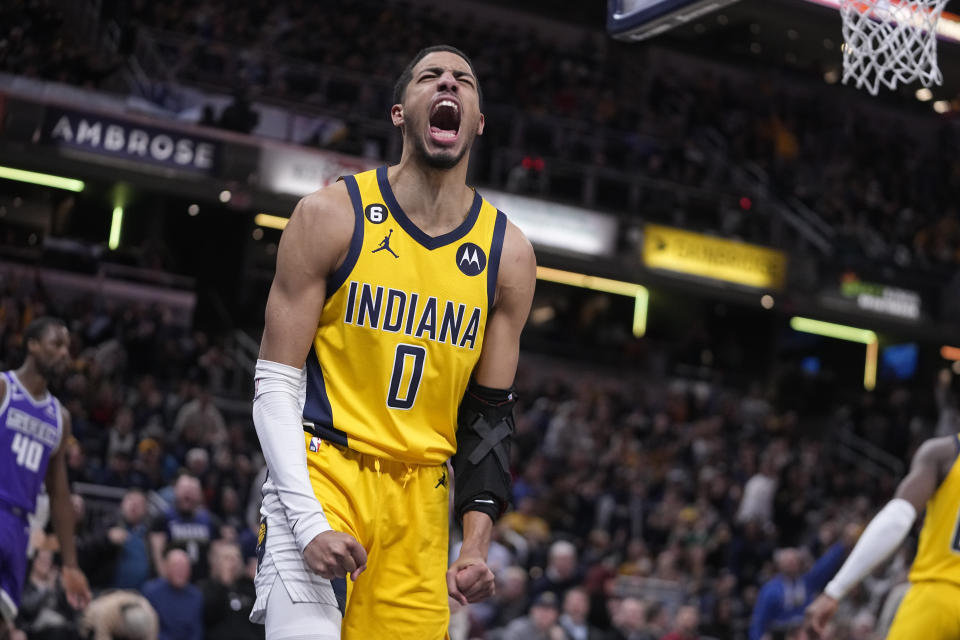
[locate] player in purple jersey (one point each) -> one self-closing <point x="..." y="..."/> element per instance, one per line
<point x="33" y="427"/>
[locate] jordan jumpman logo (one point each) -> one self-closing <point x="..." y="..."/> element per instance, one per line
<point x="385" y="245"/>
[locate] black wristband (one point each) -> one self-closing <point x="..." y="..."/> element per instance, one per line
<point x="484" y="503"/>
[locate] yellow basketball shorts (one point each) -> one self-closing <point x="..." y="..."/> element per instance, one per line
<point x="400" y="514"/>
<point x="930" y="610"/>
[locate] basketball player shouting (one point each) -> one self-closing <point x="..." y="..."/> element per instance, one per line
<point x="402" y="293"/>
<point x="33" y="430"/>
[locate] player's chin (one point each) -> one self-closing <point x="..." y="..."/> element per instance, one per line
<point x="443" y="158"/>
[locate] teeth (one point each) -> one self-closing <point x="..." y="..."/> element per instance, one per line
<point x="446" y="103"/>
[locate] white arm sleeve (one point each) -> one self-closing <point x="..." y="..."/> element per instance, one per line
<point x="278" y="417"/>
<point x="882" y="536"/>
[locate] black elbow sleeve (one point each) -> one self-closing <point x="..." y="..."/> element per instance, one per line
<point x="481" y="465"/>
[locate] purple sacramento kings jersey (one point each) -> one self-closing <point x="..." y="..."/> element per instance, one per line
<point x="29" y="432"/>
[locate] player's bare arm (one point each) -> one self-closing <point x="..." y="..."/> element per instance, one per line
<point x="61" y="513"/>
<point x="313" y="245"/>
<point x="928" y="468"/>
<point x="886" y="531"/>
<point x="515" y="285"/>
<point x="469" y="579"/>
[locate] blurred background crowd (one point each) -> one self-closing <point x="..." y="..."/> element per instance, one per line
<point x="644" y="506"/>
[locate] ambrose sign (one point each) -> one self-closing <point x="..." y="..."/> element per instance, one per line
<point x="111" y="136"/>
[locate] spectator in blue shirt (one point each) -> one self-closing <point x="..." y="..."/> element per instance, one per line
<point x="782" y="600"/>
<point x="178" y="604"/>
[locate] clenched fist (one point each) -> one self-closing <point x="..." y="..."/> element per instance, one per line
<point x="819" y="613"/>
<point x="470" y="580"/>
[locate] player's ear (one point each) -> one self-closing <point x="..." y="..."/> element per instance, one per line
<point x="396" y="115"/>
<point x="480" y="126"/>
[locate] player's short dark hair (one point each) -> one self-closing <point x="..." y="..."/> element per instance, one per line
<point x="400" y="88"/>
<point x="39" y="327"/>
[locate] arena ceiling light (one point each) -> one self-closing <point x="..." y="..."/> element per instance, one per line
<point x="638" y="292"/>
<point x="270" y="221"/>
<point x="44" y="179"/>
<point x="850" y="334"/>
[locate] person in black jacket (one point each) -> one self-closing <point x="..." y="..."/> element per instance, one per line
<point x="117" y="555"/>
<point x="228" y="596"/>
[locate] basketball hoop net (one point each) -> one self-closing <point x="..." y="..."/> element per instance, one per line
<point x="890" y="41"/>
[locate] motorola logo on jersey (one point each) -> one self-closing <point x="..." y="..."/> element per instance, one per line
<point x="375" y="213"/>
<point x="471" y="259"/>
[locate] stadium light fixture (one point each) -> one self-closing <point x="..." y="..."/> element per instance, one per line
<point x="43" y="179"/>
<point x="115" y="225"/>
<point x="639" y="293"/>
<point x="270" y="221"/>
<point x="850" y="334"/>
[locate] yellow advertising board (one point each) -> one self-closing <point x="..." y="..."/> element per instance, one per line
<point x="699" y="255"/>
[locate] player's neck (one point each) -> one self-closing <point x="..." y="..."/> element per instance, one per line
<point x="436" y="200"/>
<point x="32" y="381"/>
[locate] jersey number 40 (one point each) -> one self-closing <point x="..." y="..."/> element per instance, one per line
<point x="29" y="452"/>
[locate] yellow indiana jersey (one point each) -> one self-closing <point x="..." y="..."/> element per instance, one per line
<point x="402" y="328"/>
<point x="938" y="553"/>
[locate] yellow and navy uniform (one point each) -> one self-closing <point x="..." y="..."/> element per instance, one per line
<point x="399" y="336"/>
<point x="931" y="607"/>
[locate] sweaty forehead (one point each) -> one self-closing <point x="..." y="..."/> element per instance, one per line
<point x="446" y="60"/>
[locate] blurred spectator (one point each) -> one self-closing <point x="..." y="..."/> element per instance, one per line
<point x="179" y="604"/>
<point x="200" y="415"/>
<point x="239" y="115"/>
<point x="120" y="435"/>
<point x="573" y="620"/>
<point x="509" y="601"/>
<point x="685" y="624"/>
<point x="561" y="572"/>
<point x="120" y="472"/>
<point x="784" y="597"/>
<point x="208" y="117"/>
<point x="758" y="494"/>
<point x="655" y="625"/>
<point x="187" y="525"/>
<point x="525" y="521"/>
<point x="153" y="467"/>
<point x="116" y="554"/>
<point x="540" y="624"/>
<point x="228" y="596"/>
<point x="44" y="612"/>
<point x="629" y="620"/>
<point x="120" y="615"/>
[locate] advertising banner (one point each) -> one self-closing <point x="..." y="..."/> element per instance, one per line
<point x="116" y="137"/>
<point x="708" y="257"/>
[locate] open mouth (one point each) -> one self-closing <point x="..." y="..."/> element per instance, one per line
<point x="445" y="121"/>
